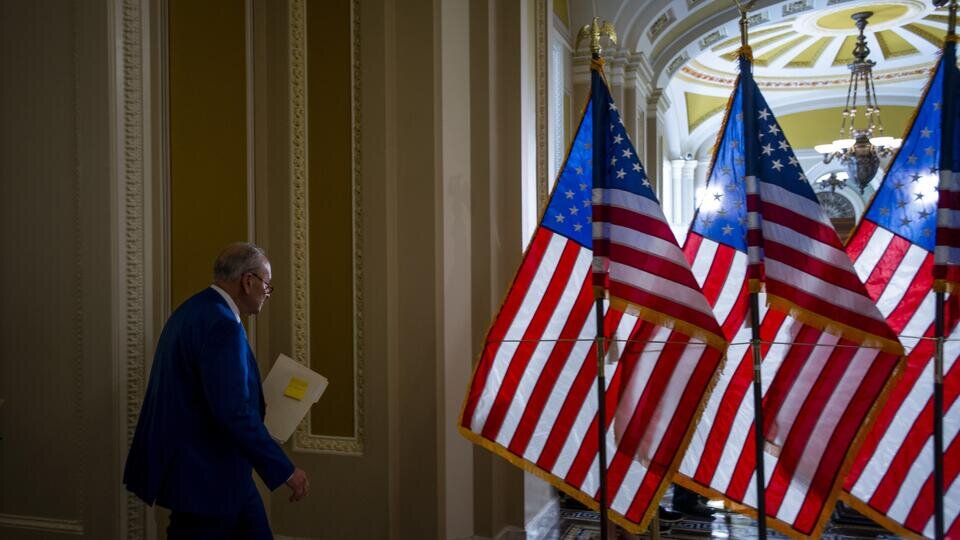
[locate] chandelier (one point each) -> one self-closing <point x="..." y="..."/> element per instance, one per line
<point x="859" y="149"/>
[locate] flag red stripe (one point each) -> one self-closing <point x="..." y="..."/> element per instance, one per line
<point x="508" y="312"/>
<point x="644" y="224"/>
<point x="743" y="471"/>
<point x="917" y="290"/>
<point x="663" y="305"/>
<point x="673" y="437"/>
<point x="860" y="240"/>
<point x="730" y="403"/>
<point x="842" y="437"/>
<point x="786" y="376"/>
<point x="787" y="217"/>
<point x="582" y="384"/>
<point x="737" y="313"/>
<point x="691" y="247"/>
<point x="531" y="339"/>
<point x="814" y="405"/>
<point x="830" y="310"/>
<point x="648" y="262"/>
<point x="913" y="444"/>
<point x="922" y="509"/>
<point x="803" y="262"/>
<point x="916" y="361"/>
<point x="889" y="262"/>
<point x="643" y="410"/>
<point x="559" y="356"/>
<point x="719" y="269"/>
<point x="588" y="448"/>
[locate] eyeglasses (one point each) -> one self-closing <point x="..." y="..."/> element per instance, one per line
<point x="267" y="286"/>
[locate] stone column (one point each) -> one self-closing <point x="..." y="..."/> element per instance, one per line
<point x="687" y="191"/>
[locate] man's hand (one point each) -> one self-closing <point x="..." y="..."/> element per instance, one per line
<point x="299" y="484"/>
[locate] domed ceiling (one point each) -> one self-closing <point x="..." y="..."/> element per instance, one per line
<point x="813" y="48"/>
<point x="801" y="49"/>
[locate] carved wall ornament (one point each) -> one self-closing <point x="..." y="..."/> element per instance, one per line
<point x="797" y="7"/>
<point x="304" y="439"/>
<point x="675" y="64"/>
<point x="661" y="24"/>
<point x="712" y="38"/>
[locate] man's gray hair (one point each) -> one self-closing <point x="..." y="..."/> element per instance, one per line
<point x="236" y="259"/>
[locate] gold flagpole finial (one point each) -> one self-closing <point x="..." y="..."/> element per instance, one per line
<point x="744" y="38"/>
<point x="952" y="21"/>
<point x="594" y="31"/>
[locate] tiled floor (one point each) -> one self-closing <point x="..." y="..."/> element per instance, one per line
<point x="572" y="522"/>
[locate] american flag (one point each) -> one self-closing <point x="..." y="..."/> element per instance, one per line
<point x="532" y="399"/>
<point x="760" y="222"/>
<point x="893" y="250"/>
<point x="946" y="264"/>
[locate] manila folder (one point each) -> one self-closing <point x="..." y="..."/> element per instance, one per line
<point x="289" y="390"/>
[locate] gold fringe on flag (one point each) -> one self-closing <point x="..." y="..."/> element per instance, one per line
<point x="836" y="328"/>
<point x="655" y="317"/>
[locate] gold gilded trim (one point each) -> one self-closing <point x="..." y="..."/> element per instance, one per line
<point x="304" y="440"/>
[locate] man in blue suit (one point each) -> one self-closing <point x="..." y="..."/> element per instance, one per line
<point x="200" y="432"/>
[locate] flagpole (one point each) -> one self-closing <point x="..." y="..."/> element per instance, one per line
<point x="601" y="420"/>
<point x="747" y="110"/>
<point x="594" y="32"/>
<point x="938" y="421"/>
<point x="946" y="140"/>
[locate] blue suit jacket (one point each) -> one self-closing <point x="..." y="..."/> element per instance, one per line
<point x="201" y="425"/>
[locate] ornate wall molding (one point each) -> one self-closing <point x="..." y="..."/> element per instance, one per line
<point x="78" y="314"/>
<point x="542" y="59"/>
<point x="304" y="439"/>
<point x="45" y="524"/>
<point x="129" y="107"/>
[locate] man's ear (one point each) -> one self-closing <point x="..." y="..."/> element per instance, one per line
<point x="244" y="282"/>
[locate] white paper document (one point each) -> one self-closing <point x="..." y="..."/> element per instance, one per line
<point x="289" y="390"/>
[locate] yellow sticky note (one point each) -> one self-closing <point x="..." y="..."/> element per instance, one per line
<point x="297" y="389"/>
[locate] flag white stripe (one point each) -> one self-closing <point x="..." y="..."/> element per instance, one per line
<point x="646" y="361"/>
<point x="919" y="322"/>
<point x="803" y="243"/>
<point x="591" y="482"/>
<point x="806" y="379"/>
<point x="826" y="425"/>
<point x="899" y="283"/>
<point x="909" y="489"/>
<point x="946" y="255"/>
<point x="669" y="400"/>
<point x="561" y="389"/>
<point x="691" y="460"/>
<point x="518" y="326"/>
<point x="769" y="462"/>
<point x="731" y="287"/>
<point x="531" y="374"/>
<point x="703" y="260"/>
<point x="645" y="243"/>
<point x="658" y="286"/>
<point x="628" y="490"/>
<point x="824" y="290"/>
<point x="588" y="409"/>
<point x="619" y="198"/>
<point x="872" y="253"/>
<point x="742" y="426"/>
<point x="951" y="496"/>
<point x="906" y="415"/>
<point x="779" y="196"/>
